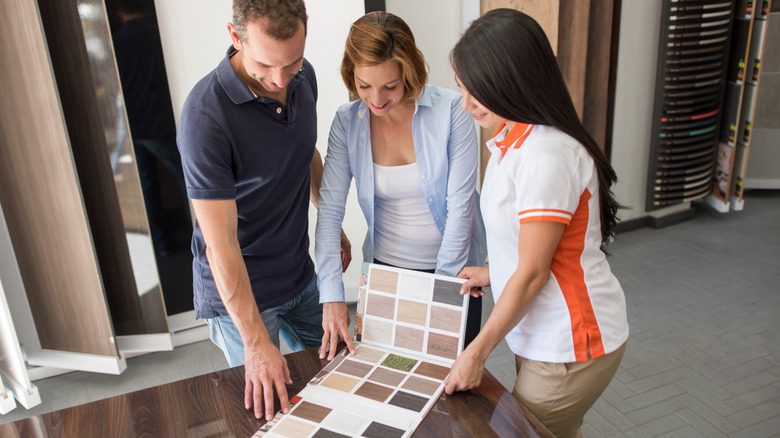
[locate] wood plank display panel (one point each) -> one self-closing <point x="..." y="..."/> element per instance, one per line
<point x="688" y="106"/>
<point x="573" y="30"/>
<point x="88" y="85"/>
<point x="599" y="87"/>
<point x="41" y="196"/>
<point x="545" y="12"/>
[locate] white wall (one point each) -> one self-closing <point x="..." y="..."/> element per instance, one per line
<point x="195" y="38"/>
<point x="329" y="22"/>
<point x="634" y="99"/>
<point x="436" y="25"/>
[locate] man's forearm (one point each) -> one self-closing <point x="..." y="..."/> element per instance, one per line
<point x="232" y="281"/>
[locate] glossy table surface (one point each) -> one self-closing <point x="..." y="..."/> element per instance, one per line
<point x="211" y="405"/>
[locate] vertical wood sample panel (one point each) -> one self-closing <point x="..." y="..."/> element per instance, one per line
<point x="88" y="94"/>
<point x="545" y="12"/>
<point x="573" y="48"/>
<point x="41" y="197"/>
<point x="598" y="98"/>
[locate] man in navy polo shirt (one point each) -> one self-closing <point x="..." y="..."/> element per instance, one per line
<point x="247" y="136"/>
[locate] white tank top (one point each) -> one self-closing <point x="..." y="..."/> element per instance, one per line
<point x="405" y="234"/>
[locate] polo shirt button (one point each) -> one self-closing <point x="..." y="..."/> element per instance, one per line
<point x="278" y="110"/>
<point x="422" y="176"/>
<point x="437" y="219"/>
<point x="430" y="199"/>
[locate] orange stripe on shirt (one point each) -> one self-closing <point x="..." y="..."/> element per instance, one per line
<point x="541" y="214"/>
<point x="562" y="220"/>
<point x="570" y="275"/>
<point x="551" y="210"/>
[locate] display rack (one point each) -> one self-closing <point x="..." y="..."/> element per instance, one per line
<point x="744" y="68"/>
<point x="691" y="75"/>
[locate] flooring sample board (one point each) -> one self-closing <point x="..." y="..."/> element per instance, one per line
<point x="409" y="328"/>
<point x="42" y="198"/>
<point x="81" y="55"/>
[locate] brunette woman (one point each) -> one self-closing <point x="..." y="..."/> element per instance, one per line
<point x="548" y="209"/>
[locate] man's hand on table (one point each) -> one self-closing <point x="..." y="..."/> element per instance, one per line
<point x="265" y="372"/>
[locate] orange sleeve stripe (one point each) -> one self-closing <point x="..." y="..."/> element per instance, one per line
<point x="561" y="216"/>
<point x="552" y="210"/>
<point x="559" y="219"/>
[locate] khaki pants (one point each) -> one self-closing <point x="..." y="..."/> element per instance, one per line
<point x="559" y="394"/>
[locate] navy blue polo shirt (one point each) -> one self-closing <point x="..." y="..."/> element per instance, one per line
<point x="258" y="152"/>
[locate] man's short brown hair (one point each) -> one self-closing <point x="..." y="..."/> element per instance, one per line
<point x="283" y="16"/>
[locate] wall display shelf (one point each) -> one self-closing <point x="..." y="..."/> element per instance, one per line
<point x="744" y="72"/>
<point x="688" y="109"/>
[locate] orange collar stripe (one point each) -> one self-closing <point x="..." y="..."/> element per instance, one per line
<point x="514" y="138"/>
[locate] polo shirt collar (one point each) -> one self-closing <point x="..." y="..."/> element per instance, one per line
<point x="236" y="89"/>
<point x="513" y="138"/>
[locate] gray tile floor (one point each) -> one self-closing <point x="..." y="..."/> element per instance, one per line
<point x="702" y="360"/>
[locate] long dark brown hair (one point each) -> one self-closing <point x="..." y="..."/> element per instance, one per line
<point x="505" y="61"/>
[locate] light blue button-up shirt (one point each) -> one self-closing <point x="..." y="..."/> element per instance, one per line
<point x="446" y="150"/>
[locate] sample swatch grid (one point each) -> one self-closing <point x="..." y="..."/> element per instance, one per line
<point x="374" y="393"/>
<point x="412" y="311"/>
<point x="393" y="380"/>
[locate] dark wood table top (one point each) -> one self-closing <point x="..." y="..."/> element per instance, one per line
<point x="211" y="405"/>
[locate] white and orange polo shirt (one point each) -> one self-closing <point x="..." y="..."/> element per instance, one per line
<point x="539" y="173"/>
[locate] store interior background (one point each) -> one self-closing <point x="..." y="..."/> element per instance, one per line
<point x="703" y="303"/>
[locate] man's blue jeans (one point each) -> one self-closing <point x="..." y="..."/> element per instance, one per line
<point x="298" y="321"/>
